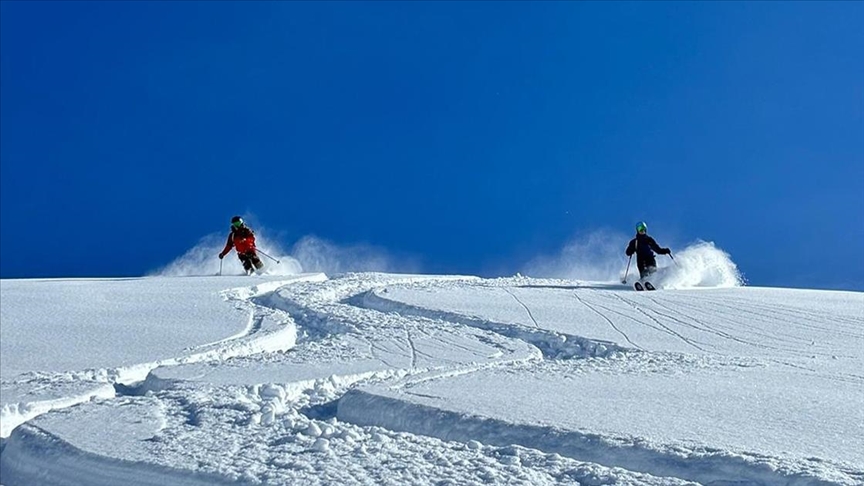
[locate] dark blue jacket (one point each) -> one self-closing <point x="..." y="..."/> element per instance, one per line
<point x="644" y="247"/>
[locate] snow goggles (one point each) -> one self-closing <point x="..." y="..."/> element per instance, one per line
<point x="237" y="224"/>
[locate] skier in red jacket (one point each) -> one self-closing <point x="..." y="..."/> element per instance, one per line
<point x="242" y="238"/>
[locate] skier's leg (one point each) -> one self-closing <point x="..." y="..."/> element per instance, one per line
<point x="257" y="261"/>
<point x="247" y="264"/>
<point x="650" y="266"/>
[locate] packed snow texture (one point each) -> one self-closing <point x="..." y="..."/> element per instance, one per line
<point x="373" y="378"/>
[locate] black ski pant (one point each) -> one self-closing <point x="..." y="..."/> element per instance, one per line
<point x="250" y="261"/>
<point x="646" y="265"/>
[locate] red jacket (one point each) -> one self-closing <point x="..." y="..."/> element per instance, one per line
<point x="243" y="239"/>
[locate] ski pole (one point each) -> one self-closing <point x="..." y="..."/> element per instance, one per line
<point x="268" y="256"/>
<point x="220" y="267"/>
<point x="624" y="280"/>
<point x="673" y="258"/>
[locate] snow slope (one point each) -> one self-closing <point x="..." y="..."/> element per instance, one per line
<point x="411" y="379"/>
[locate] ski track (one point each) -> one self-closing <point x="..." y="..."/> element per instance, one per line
<point x="736" y="319"/>
<point x="350" y="306"/>
<point x="702" y="466"/>
<point x="252" y="340"/>
<point x="794" y="317"/>
<point x="854" y="323"/>
<point x="653" y="319"/>
<point x="719" y="471"/>
<point x="734" y="316"/>
<point x="413" y="349"/>
<point x="549" y="343"/>
<point x="637" y="321"/>
<point x="527" y="310"/>
<point x="695" y="344"/>
<point x="607" y="319"/>
<point x="843" y="377"/>
<point x="703" y="326"/>
<point x="716" y="469"/>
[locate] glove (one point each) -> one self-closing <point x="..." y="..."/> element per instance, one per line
<point x="221" y="255"/>
<point x="665" y="251"/>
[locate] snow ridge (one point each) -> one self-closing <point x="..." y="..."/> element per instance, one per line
<point x="34" y="456"/>
<point x="273" y="331"/>
<point x="703" y="465"/>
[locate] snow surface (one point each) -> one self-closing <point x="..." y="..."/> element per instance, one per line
<point x="372" y="378"/>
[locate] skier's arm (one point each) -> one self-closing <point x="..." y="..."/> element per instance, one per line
<point x="631" y="248"/>
<point x="228" y="245"/>
<point x="654" y="246"/>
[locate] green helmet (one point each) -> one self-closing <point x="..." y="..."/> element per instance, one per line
<point x="641" y="227"/>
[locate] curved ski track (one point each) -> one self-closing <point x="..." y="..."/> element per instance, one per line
<point x="320" y="312"/>
<point x="660" y="316"/>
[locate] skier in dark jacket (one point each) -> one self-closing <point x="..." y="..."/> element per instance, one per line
<point x="242" y="238"/>
<point x="644" y="247"/>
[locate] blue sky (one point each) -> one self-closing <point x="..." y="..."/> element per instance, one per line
<point x="472" y="136"/>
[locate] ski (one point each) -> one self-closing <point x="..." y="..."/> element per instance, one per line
<point x="649" y="286"/>
<point x="638" y="286"/>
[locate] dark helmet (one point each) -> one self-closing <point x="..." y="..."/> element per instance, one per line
<point x="641" y="227"/>
<point x="236" y="221"/>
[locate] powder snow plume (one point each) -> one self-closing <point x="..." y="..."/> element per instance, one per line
<point x="699" y="265"/>
<point x="319" y="255"/>
<point x="599" y="257"/>
<point x="309" y="254"/>
<point x="202" y="259"/>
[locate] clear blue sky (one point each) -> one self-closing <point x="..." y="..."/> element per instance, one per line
<point x="471" y="135"/>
